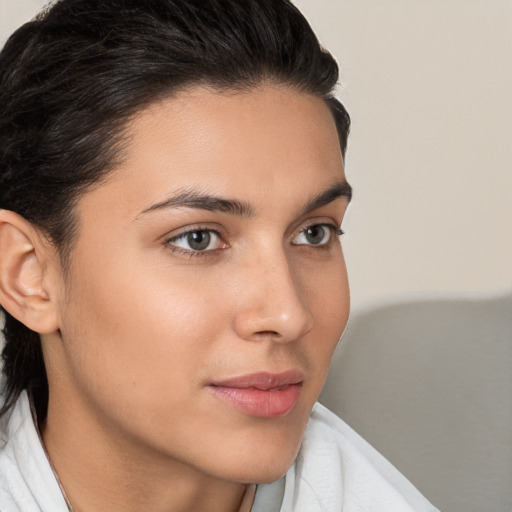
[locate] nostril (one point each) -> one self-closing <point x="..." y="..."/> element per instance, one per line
<point x="268" y="333"/>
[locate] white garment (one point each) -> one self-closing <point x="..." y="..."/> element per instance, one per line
<point x="335" y="471"/>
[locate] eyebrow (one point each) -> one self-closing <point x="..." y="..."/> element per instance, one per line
<point x="335" y="191"/>
<point x="201" y="201"/>
<point x="197" y="200"/>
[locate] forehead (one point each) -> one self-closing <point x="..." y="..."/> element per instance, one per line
<point x="252" y="145"/>
<point x="254" y="115"/>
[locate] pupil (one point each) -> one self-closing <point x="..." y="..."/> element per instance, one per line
<point x="315" y="234"/>
<point x="199" y="240"/>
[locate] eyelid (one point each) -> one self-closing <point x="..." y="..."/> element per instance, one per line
<point x="331" y="225"/>
<point x="168" y="240"/>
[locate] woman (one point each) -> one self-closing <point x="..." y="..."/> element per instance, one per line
<point x="172" y="190"/>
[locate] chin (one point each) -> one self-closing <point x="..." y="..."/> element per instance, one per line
<point x="264" y="451"/>
<point x="259" y="466"/>
<point x="272" y="475"/>
<point x="274" y="471"/>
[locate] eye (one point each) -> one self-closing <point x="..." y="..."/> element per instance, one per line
<point x="197" y="240"/>
<point x="318" y="234"/>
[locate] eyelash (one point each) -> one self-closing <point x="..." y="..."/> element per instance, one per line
<point x="170" y="242"/>
<point x="335" y="232"/>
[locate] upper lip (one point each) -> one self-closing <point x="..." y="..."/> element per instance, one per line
<point x="263" y="380"/>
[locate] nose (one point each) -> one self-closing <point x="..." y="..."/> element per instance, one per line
<point x="270" y="302"/>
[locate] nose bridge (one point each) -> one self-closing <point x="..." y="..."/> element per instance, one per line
<point x="272" y="305"/>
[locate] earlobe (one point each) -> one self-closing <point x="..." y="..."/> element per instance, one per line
<point x="24" y="291"/>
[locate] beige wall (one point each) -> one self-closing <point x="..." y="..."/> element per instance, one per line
<point x="14" y="12"/>
<point x="427" y="83"/>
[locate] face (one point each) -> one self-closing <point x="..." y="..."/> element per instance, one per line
<point x="207" y="288"/>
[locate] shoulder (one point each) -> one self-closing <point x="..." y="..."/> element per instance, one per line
<point x="27" y="482"/>
<point x="336" y="470"/>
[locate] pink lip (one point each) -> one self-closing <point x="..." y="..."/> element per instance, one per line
<point x="265" y="395"/>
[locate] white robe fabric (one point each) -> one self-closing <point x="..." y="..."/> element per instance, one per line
<point x="335" y="471"/>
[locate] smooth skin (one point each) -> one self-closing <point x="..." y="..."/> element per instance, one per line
<point x="149" y="315"/>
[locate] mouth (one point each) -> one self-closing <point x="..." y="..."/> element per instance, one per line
<point x="264" y="394"/>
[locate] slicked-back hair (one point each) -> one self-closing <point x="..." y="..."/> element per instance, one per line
<point x="72" y="78"/>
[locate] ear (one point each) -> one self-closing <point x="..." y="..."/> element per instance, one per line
<point x="25" y="290"/>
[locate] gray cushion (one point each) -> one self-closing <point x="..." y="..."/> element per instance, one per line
<point x="429" y="384"/>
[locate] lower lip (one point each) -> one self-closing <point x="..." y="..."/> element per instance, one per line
<point x="258" y="402"/>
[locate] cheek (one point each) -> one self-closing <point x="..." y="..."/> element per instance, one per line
<point x="328" y="298"/>
<point x="139" y="330"/>
<point x="325" y="291"/>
